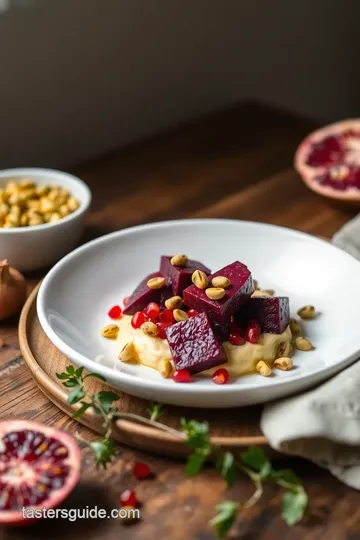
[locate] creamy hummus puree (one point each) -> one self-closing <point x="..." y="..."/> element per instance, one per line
<point x="241" y="359"/>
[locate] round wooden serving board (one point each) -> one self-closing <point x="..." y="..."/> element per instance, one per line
<point x="230" y="428"/>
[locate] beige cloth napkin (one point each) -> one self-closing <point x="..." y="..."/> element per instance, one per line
<point x="323" y="424"/>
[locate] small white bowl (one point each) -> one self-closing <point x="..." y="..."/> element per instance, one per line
<point x="32" y="248"/>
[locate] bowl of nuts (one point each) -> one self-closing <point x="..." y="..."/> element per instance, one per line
<point x="42" y="214"/>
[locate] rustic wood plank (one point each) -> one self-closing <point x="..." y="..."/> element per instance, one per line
<point x="238" y="164"/>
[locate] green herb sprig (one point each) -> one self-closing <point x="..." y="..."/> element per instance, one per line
<point x="253" y="462"/>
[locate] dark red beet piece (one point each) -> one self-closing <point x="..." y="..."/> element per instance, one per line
<point x="239" y="291"/>
<point x="221" y="330"/>
<point x="272" y="312"/>
<point x="142" y="296"/>
<point x="179" y="277"/>
<point x="194" y="345"/>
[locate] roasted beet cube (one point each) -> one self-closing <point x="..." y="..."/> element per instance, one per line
<point x="194" y="345"/>
<point x="240" y="289"/>
<point x="179" y="277"/>
<point x="272" y="312"/>
<point x="142" y="295"/>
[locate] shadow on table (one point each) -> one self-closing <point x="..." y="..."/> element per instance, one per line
<point x="85" y="495"/>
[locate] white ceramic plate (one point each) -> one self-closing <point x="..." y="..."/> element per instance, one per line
<point x="75" y="296"/>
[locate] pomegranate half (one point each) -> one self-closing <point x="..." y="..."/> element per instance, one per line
<point x="39" y="467"/>
<point x="328" y="160"/>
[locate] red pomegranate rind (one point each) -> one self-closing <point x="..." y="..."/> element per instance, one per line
<point x="239" y="291"/>
<point x="272" y="312"/>
<point x="39" y="466"/>
<point x="179" y="277"/>
<point x="194" y="345"/>
<point x="329" y="160"/>
<point x="142" y="296"/>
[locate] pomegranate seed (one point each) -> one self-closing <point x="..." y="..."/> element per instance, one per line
<point x="152" y="310"/>
<point x="182" y="376"/>
<point x="128" y="498"/>
<point x="115" y="312"/>
<point x="138" y="319"/>
<point x="236" y="339"/>
<point x="166" y="316"/>
<point x="253" y="331"/>
<point x="192" y="312"/>
<point x="221" y="376"/>
<point x="141" y="470"/>
<point x="161" y="326"/>
<point x="126" y="300"/>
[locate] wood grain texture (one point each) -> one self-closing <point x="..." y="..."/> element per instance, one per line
<point x="238" y="164"/>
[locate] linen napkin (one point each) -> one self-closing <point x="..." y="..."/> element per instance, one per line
<point x="323" y="424"/>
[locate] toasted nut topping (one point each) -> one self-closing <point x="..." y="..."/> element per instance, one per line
<point x="150" y="329"/>
<point x="259" y="292"/>
<point x="285" y="363"/>
<point x="307" y="312"/>
<point x="180" y="315"/>
<point x="73" y="204"/>
<point x="175" y="302"/>
<point x="295" y="327"/>
<point x="303" y="344"/>
<point x="46" y="205"/>
<point x="54" y="217"/>
<point x="179" y="260"/>
<point x="110" y="331"/>
<point x="156" y="283"/>
<point x="263" y="368"/>
<point x="4" y="210"/>
<point x="128" y="353"/>
<point x="27" y="183"/>
<point x="164" y="368"/>
<point x="63" y="210"/>
<point x="42" y="190"/>
<point x="268" y="292"/>
<point x="284" y="349"/>
<point x="221" y="281"/>
<point x="24" y="204"/>
<point x="24" y="220"/>
<point x="215" y="293"/>
<point x="35" y="219"/>
<point x="199" y="279"/>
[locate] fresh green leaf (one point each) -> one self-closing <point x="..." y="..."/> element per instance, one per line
<point x="71" y="383"/>
<point x="197" y="433"/>
<point x="155" y="411"/>
<point x="287" y="476"/>
<point x="62" y="375"/>
<point x="294" y="506"/>
<point x="227" y="467"/>
<point x="104" y="451"/>
<point x="225" y="517"/>
<point x="95" y="376"/>
<point x="106" y="399"/>
<point x="78" y="372"/>
<point x="76" y="395"/>
<point x="84" y="407"/>
<point x="255" y="458"/>
<point x="70" y="370"/>
<point x="196" y="461"/>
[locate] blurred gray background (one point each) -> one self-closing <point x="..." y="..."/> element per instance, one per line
<point x="82" y="77"/>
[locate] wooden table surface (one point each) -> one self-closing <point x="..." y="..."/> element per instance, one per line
<point x="235" y="164"/>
